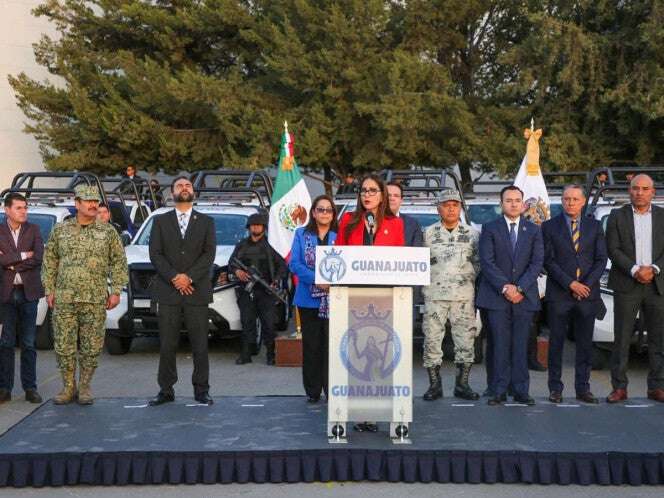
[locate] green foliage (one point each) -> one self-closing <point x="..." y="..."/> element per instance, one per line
<point x="364" y="84"/>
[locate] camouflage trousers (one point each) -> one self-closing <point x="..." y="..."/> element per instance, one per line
<point x="77" y="324"/>
<point x="461" y="315"/>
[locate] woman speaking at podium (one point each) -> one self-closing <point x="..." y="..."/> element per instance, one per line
<point x="371" y="224"/>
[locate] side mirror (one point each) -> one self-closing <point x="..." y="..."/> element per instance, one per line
<point x="126" y="238"/>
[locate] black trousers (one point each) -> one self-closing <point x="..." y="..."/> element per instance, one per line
<point x="195" y="319"/>
<point x="625" y="308"/>
<point x="315" y="333"/>
<point x="261" y="307"/>
<point x="560" y="315"/>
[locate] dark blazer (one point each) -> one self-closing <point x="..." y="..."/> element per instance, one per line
<point x="412" y="231"/>
<point x="561" y="260"/>
<point x="499" y="266"/>
<point x="29" y="239"/>
<point x="194" y="255"/>
<point x="621" y="246"/>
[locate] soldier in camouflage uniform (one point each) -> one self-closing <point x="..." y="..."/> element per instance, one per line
<point x="83" y="272"/>
<point x="451" y="295"/>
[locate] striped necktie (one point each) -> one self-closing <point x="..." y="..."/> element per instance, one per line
<point x="575" y="242"/>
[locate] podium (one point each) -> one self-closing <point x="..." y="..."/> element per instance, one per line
<point x="370" y="339"/>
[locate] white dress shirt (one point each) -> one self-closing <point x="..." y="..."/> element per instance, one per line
<point x="643" y="240"/>
<point x="15" y="235"/>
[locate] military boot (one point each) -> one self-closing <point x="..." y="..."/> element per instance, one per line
<point x="68" y="393"/>
<point x="461" y="387"/>
<point x="435" y="390"/>
<point x="84" y="391"/>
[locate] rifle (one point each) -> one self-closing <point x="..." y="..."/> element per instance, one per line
<point x="256" y="278"/>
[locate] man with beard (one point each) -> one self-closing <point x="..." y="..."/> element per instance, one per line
<point x="256" y="251"/>
<point x="182" y="250"/>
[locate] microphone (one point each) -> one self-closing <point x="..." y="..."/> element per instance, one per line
<point x="371" y="221"/>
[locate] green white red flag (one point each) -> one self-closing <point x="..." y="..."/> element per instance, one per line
<point x="290" y="202"/>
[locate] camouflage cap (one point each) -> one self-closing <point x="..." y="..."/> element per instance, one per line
<point x="87" y="193"/>
<point x="448" y="195"/>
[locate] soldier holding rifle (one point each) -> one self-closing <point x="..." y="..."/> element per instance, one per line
<point x="254" y="256"/>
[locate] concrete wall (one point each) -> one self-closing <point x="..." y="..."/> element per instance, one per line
<point x="19" y="29"/>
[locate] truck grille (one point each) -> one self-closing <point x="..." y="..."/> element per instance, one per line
<point x="141" y="279"/>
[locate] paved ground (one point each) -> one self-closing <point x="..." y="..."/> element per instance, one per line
<point x="135" y="375"/>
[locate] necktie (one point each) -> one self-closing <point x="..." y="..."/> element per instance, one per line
<point x="183" y="223"/>
<point x="575" y="242"/>
<point x="513" y="235"/>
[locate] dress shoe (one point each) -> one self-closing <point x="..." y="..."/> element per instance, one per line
<point x="243" y="360"/>
<point x="617" y="395"/>
<point x="312" y="399"/>
<point x="536" y="366"/>
<point x="5" y="395"/>
<point x="32" y="396"/>
<point x="161" y="398"/>
<point x="496" y="400"/>
<point x="556" y="397"/>
<point x="365" y="427"/>
<point x="269" y="360"/>
<point x="524" y="399"/>
<point x="204" y="399"/>
<point x="656" y="394"/>
<point x="588" y="397"/>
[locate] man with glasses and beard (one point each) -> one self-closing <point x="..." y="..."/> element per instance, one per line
<point x="256" y="251"/>
<point x="182" y="249"/>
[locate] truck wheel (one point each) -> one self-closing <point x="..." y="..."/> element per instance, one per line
<point x="117" y="345"/>
<point x="44" y="337"/>
<point x="600" y="357"/>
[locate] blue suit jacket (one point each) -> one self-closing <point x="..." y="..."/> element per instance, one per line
<point x="561" y="260"/>
<point x="413" y="235"/>
<point x="499" y="266"/>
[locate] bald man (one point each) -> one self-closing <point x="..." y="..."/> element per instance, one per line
<point x="635" y="243"/>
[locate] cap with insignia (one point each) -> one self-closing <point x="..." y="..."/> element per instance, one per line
<point x="448" y="195"/>
<point x="87" y="193"/>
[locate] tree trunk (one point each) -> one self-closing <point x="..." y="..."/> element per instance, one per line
<point x="466" y="178"/>
<point x="327" y="176"/>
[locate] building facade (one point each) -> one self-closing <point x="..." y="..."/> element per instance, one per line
<point x="19" y="29"/>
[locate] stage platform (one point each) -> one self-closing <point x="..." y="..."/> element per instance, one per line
<point x="282" y="439"/>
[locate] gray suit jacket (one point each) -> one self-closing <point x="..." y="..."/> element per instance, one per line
<point x="621" y="246"/>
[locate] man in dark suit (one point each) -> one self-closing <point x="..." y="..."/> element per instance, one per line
<point x="413" y="234"/>
<point x="182" y="250"/>
<point x="635" y="242"/>
<point x="511" y="256"/>
<point x="21" y="252"/>
<point x="574" y="258"/>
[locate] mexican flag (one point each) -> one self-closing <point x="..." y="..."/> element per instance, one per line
<point x="290" y="201"/>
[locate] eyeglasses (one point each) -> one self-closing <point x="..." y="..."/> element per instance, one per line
<point x="370" y="192"/>
<point x="325" y="210"/>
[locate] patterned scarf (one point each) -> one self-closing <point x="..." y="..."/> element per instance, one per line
<point x="310" y="261"/>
